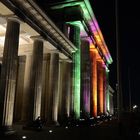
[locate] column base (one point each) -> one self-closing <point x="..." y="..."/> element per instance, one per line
<point x="52" y="123"/>
<point x="7" y="130"/>
<point x="34" y="125"/>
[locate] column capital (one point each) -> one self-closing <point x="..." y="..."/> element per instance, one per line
<point x="37" y="38"/>
<point x="14" y="18"/>
<point x="65" y="60"/>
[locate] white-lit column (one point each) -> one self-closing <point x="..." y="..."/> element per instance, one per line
<point x="36" y="79"/>
<point x="53" y="96"/>
<point x="9" y="72"/>
<point x="33" y="83"/>
<point x="45" y="87"/>
<point x="64" y="90"/>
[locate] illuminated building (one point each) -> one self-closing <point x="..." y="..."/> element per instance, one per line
<point x="54" y="68"/>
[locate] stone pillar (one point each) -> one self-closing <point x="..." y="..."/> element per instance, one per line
<point x="64" y="90"/>
<point x="107" y="91"/>
<point x="85" y="78"/>
<point x="45" y="87"/>
<point x="9" y="72"/>
<point x="100" y="87"/>
<point x="33" y="83"/>
<point x="0" y="68"/>
<point x="75" y="38"/>
<point x="93" y="58"/>
<point x="111" y="104"/>
<point x="36" y="79"/>
<point x="26" y="89"/>
<point x="53" y="97"/>
<point x="104" y="89"/>
<point x="19" y="89"/>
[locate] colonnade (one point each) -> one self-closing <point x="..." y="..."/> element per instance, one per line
<point x="43" y="85"/>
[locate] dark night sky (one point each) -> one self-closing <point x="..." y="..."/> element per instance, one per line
<point x="129" y="29"/>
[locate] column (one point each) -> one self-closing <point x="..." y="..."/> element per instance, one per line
<point x="111" y="104"/>
<point x="100" y="87"/>
<point x="45" y="87"/>
<point x="85" y="78"/>
<point x="107" y="91"/>
<point x="75" y="38"/>
<point x="19" y="89"/>
<point x="64" y="90"/>
<point x="9" y="72"/>
<point x="36" y="79"/>
<point x="26" y="89"/>
<point x="33" y="83"/>
<point x="104" y="89"/>
<point x="93" y="58"/>
<point x="53" y="97"/>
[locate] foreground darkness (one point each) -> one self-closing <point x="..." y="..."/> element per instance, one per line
<point x="127" y="128"/>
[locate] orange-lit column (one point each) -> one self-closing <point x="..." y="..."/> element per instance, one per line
<point x="104" y="88"/>
<point x="100" y="90"/>
<point x="93" y="55"/>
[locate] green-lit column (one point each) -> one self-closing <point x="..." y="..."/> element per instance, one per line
<point x="75" y="38"/>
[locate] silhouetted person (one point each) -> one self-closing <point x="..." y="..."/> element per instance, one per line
<point x="38" y="123"/>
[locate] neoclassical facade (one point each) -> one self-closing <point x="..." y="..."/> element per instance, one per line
<point x="54" y="67"/>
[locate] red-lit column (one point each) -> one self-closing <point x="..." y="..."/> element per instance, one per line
<point x="100" y="87"/>
<point x="93" y="55"/>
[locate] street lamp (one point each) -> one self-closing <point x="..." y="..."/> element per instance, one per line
<point x="118" y="60"/>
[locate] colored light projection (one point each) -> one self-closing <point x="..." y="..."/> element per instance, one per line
<point x="101" y="51"/>
<point x="107" y="92"/>
<point x="85" y="78"/>
<point x="104" y="86"/>
<point x="90" y="17"/>
<point x="100" y="84"/>
<point x="93" y="56"/>
<point x="75" y="37"/>
<point x="76" y="82"/>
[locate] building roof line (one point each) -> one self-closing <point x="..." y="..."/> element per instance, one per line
<point x="90" y="18"/>
<point x="47" y="26"/>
